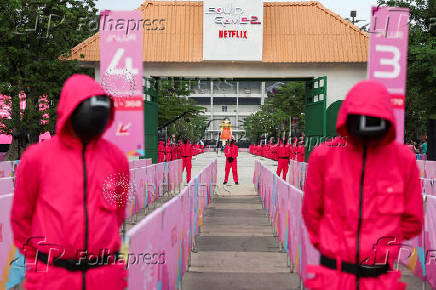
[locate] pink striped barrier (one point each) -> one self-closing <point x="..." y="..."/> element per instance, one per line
<point x="427" y="168"/>
<point x="6" y="169"/>
<point x="148" y="183"/>
<point x="7" y="249"/>
<point x="430" y="241"/>
<point x="137" y="163"/>
<point x="143" y="163"/>
<point x="418" y="254"/>
<point x="283" y="203"/>
<point x="6" y="185"/>
<point x="298" y="170"/>
<point x="160" y="246"/>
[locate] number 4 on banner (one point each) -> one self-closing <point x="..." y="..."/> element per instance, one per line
<point x="112" y="68"/>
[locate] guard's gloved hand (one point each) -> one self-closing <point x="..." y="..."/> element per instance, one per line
<point x="230" y="159"/>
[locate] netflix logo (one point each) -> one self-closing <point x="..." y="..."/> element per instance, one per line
<point x="233" y="34"/>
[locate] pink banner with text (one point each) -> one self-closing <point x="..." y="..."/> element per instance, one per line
<point x="121" y="75"/>
<point x="388" y="56"/>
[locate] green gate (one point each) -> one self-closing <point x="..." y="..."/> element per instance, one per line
<point x="315" y="116"/>
<point x="332" y="115"/>
<point x="151" y="118"/>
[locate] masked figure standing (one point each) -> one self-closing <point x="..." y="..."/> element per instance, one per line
<point x="160" y="152"/>
<point x="363" y="199"/>
<point x="283" y="153"/>
<point x="67" y="207"/>
<point x="168" y="151"/>
<point x="187" y="158"/>
<point x="231" y="153"/>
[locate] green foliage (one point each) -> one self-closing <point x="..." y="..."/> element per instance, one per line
<point x="273" y="118"/>
<point x="34" y="35"/>
<point x="193" y="128"/>
<point x="173" y="103"/>
<point x="421" y="70"/>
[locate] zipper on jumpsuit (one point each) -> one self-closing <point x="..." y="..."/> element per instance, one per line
<point x="359" y="225"/>
<point x="85" y="209"/>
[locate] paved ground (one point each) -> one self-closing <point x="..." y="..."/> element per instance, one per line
<point x="236" y="246"/>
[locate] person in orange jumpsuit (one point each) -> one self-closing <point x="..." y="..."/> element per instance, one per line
<point x="160" y="152"/>
<point x="283" y="155"/>
<point x="186" y="151"/>
<point x="231" y="153"/>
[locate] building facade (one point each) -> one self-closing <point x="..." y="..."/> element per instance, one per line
<point x="289" y="41"/>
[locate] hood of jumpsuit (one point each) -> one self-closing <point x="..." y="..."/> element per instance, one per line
<point x="369" y="98"/>
<point x="77" y="89"/>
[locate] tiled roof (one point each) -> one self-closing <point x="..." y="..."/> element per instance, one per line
<point x="294" y="32"/>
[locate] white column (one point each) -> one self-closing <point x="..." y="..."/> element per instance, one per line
<point x="262" y="93"/>
<point x="237" y="107"/>
<point x="211" y="106"/>
<point x="97" y="71"/>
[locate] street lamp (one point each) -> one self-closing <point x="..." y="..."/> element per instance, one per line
<point x="353" y="15"/>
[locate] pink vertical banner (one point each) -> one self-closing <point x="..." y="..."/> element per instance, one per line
<point x="121" y="71"/>
<point x="388" y="56"/>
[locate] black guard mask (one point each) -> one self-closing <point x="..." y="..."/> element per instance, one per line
<point x="91" y="117"/>
<point x="367" y="128"/>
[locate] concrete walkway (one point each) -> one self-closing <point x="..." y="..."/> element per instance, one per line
<point x="236" y="247"/>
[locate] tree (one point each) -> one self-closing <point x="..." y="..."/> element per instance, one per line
<point x="273" y="118"/>
<point x="34" y="36"/>
<point x="193" y="128"/>
<point x="172" y="103"/>
<point x="421" y="69"/>
<point x="289" y="102"/>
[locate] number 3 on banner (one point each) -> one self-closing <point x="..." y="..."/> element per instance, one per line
<point x="394" y="62"/>
<point x="112" y="68"/>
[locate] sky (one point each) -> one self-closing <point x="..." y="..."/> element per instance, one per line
<point x="341" y="7"/>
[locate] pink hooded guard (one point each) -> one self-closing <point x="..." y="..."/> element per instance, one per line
<point x="49" y="209"/>
<point x="392" y="204"/>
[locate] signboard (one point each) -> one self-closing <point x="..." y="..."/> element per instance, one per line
<point x="388" y="56"/>
<point x="233" y="30"/>
<point x="121" y="69"/>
